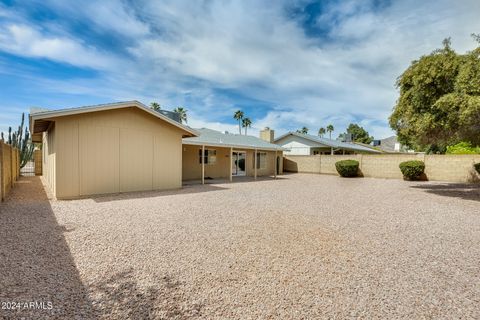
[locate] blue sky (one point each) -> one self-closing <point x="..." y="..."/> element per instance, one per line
<point x="286" y="64"/>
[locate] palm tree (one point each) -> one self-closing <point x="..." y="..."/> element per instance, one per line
<point x="182" y="112"/>
<point x="304" y="130"/>
<point x="330" y="129"/>
<point x="238" y="115"/>
<point x="155" y="106"/>
<point x="246" y="123"/>
<point x="321" y="132"/>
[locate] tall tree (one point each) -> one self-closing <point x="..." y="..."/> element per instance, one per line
<point x="246" y="123"/>
<point x="439" y="103"/>
<point x="321" y="132"/>
<point x="359" y="134"/>
<point x="304" y="130"/>
<point x="182" y="112"/>
<point x="238" y="115"/>
<point x="330" y="129"/>
<point x="155" y="106"/>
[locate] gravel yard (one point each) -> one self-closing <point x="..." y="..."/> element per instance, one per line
<point x="304" y="246"/>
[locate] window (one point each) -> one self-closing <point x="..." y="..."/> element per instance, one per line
<point x="261" y="160"/>
<point x="210" y="156"/>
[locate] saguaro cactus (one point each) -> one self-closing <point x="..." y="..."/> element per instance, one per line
<point x="20" y="139"/>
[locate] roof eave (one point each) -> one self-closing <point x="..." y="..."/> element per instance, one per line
<point x="126" y="104"/>
<point x="223" y="145"/>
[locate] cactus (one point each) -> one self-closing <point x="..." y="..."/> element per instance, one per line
<point x="21" y="140"/>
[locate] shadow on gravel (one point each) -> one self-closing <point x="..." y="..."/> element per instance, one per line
<point x="35" y="261"/>
<point x="455" y="190"/>
<point x="153" y="194"/>
<point x="120" y="296"/>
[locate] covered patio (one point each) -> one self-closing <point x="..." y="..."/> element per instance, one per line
<point x="213" y="156"/>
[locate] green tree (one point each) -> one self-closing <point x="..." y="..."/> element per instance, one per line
<point x="321" y="132"/>
<point x="359" y="134"/>
<point x="182" y="112"/>
<point x="439" y="103"/>
<point x="246" y="123"/>
<point x="304" y="130"/>
<point x="330" y="129"/>
<point x="238" y="115"/>
<point x="155" y="106"/>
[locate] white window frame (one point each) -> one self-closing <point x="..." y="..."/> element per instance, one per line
<point x="261" y="164"/>
<point x="210" y="156"/>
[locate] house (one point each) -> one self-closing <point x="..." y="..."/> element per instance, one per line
<point x="305" y="144"/>
<point x="222" y="155"/>
<point x="390" y="145"/>
<point x="109" y="148"/>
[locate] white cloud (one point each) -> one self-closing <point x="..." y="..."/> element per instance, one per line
<point x="24" y="40"/>
<point x="183" y="52"/>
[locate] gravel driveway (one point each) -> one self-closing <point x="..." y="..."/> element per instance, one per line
<point x="304" y="246"/>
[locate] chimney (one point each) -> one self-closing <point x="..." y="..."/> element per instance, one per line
<point x="267" y="134"/>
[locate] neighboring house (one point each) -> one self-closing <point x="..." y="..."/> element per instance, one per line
<point x="390" y="145"/>
<point x="109" y="148"/>
<point x="305" y="144"/>
<point x="227" y="155"/>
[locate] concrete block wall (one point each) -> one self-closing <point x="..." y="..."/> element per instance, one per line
<point x="452" y="168"/>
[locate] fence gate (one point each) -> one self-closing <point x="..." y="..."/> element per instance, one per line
<point x="28" y="169"/>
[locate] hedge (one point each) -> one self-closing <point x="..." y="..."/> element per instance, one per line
<point x="412" y="170"/>
<point x="347" y="168"/>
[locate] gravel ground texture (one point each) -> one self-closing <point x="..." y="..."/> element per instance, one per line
<point x="300" y="247"/>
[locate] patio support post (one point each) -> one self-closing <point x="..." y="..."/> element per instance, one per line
<point x="275" y="165"/>
<point x="255" y="164"/>
<point x="231" y="163"/>
<point x="203" y="164"/>
<point x="331" y="151"/>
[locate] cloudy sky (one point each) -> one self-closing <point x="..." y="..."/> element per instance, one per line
<point x="286" y="64"/>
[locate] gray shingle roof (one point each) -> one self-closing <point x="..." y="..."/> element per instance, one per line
<point x="211" y="137"/>
<point x="330" y="142"/>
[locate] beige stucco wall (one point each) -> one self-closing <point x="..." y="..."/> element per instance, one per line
<point x="114" y="151"/>
<point x="192" y="168"/>
<point x="454" y="168"/>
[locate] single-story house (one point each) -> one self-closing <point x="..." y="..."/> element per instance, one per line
<point x="296" y="143"/>
<point x="391" y="145"/>
<point x="222" y="155"/>
<point x="109" y="148"/>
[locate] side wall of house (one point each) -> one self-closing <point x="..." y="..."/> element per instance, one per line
<point x="49" y="157"/>
<point x="116" y="151"/>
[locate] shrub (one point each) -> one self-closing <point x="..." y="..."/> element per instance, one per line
<point x="347" y="168"/>
<point x="412" y="170"/>
<point x="477" y="167"/>
<point x="463" y="148"/>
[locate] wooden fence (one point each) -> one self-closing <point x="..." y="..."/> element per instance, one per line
<point x="9" y="168"/>
<point x="453" y="168"/>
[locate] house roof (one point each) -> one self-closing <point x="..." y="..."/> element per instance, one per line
<point x="210" y="137"/>
<point x="388" y="144"/>
<point x="329" y="142"/>
<point x="39" y="118"/>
